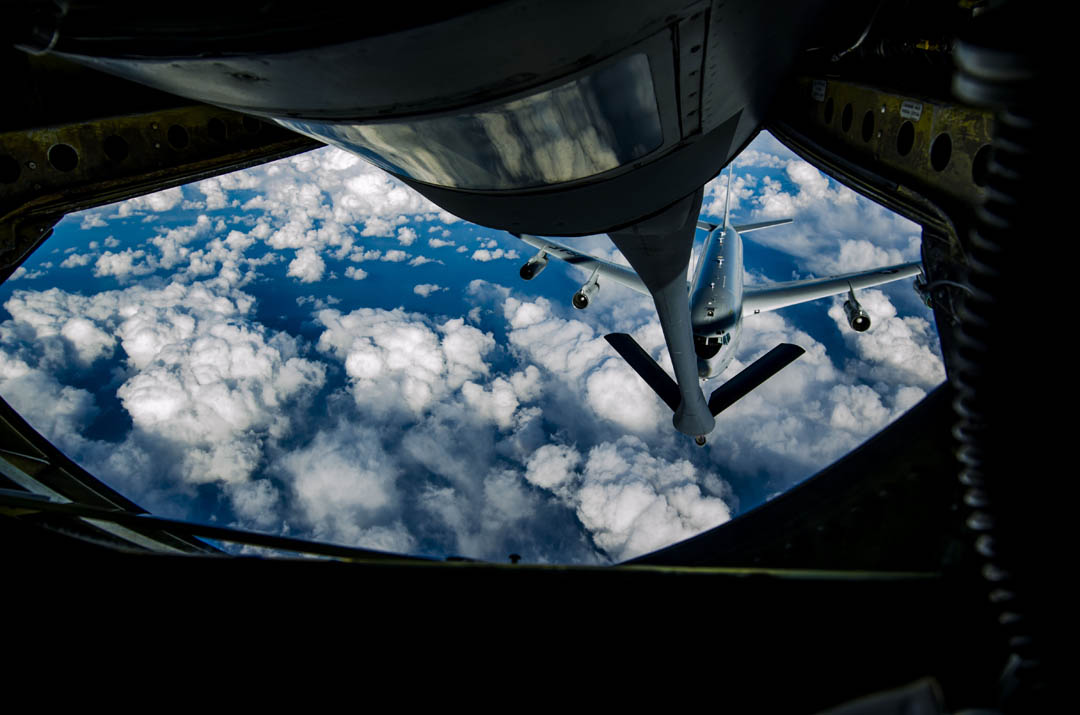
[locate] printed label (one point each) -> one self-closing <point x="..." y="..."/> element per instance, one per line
<point x="817" y="90"/>
<point x="911" y="110"/>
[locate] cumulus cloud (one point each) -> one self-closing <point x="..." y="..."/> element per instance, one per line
<point x="425" y="289"/>
<point x="434" y="434"/>
<point x="484" y="254"/>
<point x="158" y="202"/>
<point x="307" y="267"/>
<point x="399" y="363"/>
<point x="345" y="489"/>
<point x="76" y="260"/>
<point x="206" y="390"/>
<point x="895" y="350"/>
<point x="630" y="501"/>
<point x="123" y="265"/>
<point x="406" y="236"/>
<point x="317" y="199"/>
<point x="394" y="256"/>
<point x="52" y="408"/>
<point x="360" y="255"/>
<point x="92" y="220"/>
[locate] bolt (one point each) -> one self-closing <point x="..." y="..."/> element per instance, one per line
<point x="154" y="125"/>
<point x="31" y="165"/>
<point x="157" y="145"/>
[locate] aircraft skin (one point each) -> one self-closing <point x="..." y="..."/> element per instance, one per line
<point x="718" y="302"/>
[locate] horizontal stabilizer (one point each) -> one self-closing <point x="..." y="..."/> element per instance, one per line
<point x="751" y="377"/>
<point x="748" y="227"/>
<point x="646" y="367"/>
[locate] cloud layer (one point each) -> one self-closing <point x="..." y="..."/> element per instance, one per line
<point x="449" y="414"/>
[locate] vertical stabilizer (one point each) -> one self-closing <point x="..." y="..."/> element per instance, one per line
<point x="727" y="199"/>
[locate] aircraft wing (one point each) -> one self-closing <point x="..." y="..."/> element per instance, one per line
<point x="607" y="270"/>
<point x="748" y="227"/>
<point x="781" y="295"/>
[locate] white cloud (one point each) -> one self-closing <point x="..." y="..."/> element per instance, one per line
<point x="92" y="220"/>
<point x="199" y="374"/>
<point x="552" y="465"/>
<point x="485" y="255"/>
<point x="360" y="255"/>
<point x="895" y="350"/>
<point x="400" y="364"/>
<point x="307" y="267"/>
<point x="546" y="444"/>
<point x="406" y="236"/>
<point x="426" y="289"/>
<point x="317" y="199"/>
<point x="76" y="260"/>
<point x="59" y="411"/>
<point x="158" y="202"/>
<point x="629" y="500"/>
<point x="496" y="404"/>
<point x="126" y="264"/>
<point x="345" y="489"/>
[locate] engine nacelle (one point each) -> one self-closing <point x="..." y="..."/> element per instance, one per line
<point x="857" y="318"/>
<point x="585" y="295"/>
<point x="535" y="264"/>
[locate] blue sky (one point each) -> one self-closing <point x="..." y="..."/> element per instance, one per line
<point x="310" y="348"/>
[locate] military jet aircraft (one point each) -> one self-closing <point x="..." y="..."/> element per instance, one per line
<point x="718" y="302"/>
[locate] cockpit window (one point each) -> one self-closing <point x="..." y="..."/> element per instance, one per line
<point x="707" y="348"/>
<point x="584" y="127"/>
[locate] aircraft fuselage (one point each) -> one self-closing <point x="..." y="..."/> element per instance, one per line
<point x="716" y="301"/>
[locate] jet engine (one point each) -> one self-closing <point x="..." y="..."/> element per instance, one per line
<point x="582" y="297"/>
<point x="857" y="317"/>
<point x="535" y="264"/>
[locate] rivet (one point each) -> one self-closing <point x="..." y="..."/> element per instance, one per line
<point x="31" y="165"/>
<point x="154" y="125"/>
